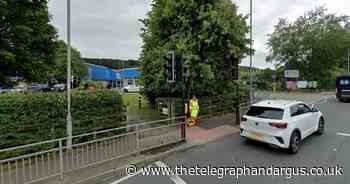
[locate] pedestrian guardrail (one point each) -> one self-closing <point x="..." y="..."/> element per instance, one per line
<point x="88" y="150"/>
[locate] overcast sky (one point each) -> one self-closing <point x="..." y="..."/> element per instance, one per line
<point x="110" y="28"/>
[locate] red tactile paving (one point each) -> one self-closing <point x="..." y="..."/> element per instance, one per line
<point x="197" y="134"/>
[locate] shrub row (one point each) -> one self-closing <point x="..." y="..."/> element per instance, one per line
<point x="33" y="117"/>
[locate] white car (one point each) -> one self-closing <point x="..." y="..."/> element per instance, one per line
<point x="131" y="89"/>
<point x="282" y="123"/>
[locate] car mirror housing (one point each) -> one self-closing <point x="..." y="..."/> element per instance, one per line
<point x="313" y="108"/>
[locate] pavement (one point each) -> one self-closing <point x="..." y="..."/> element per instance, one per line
<point x="229" y="150"/>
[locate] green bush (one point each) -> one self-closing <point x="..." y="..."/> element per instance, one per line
<point x="34" y="117"/>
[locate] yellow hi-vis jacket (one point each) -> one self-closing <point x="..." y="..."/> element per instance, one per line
<point x="194" y="108"/>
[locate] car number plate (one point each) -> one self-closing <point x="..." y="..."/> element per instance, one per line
<point x="255" y="135"/>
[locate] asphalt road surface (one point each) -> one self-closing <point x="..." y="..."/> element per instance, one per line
<point x="329" y="150"/>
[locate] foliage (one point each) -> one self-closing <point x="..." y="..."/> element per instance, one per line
<point x="33" y="117"/>
<point x="113" y="63"/>
<point x="27" y="40"/>
<point x="265" y="79"/>
<point x="315" y="44"/>
<point x="209" y="36"/>
<point x="79" y="69"/>
<point x="94" y="84"/>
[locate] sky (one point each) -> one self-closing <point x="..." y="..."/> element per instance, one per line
<point x="110" y="28"/>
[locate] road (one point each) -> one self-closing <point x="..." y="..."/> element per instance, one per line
<point x="330" y="149"/>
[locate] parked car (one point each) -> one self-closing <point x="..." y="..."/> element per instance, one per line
<point x="58" y="87"/>
<point x="282" y="123"/>
<point x="131" y="89"/>
<point x="343" y="88"/>
<point x="7" y="89"/>
<point x="40" y="88"/>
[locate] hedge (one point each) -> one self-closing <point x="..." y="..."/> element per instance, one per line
<point x="33" y="117"/>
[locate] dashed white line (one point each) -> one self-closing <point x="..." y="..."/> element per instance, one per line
<point x="175" y="178"/>
<point x="343" y="134"/>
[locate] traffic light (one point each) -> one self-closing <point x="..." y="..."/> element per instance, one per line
<point x="169" y="67"/>
<point x="235" y="72"/>
<point x="178" y="68"/>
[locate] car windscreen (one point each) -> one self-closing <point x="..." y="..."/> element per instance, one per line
<point x="344" y="82"/>
<point x="266" y="112"/>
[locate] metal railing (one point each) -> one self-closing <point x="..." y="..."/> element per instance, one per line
<point x="90" y="149"/>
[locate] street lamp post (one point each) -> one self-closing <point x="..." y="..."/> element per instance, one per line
<point x="251" y="53"/>
<point x="69" y="77"/>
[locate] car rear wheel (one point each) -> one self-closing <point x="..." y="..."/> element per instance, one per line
<point x="294" y="143"/>
<point x="321" y="125"/>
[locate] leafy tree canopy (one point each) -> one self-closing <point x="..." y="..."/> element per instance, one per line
<point x="210" y="36"/>
<point x="316" y="44"/>
<point x="59" y="71"/>
<point x="27" y="40"/>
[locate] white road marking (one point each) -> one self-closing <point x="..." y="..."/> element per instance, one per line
<point x="126" y="177"/>
<point x="343" y="134"/>
<point x="176" y="179"/>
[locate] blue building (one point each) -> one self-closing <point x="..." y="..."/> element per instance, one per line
<point x="101" y="73"/>
<point x="125" y="78"/>
<point x="128" y="78"/>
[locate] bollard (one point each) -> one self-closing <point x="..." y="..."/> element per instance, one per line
<point x="140" y="102"/>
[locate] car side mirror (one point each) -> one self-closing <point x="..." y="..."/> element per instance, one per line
<point x="314" y="108"/>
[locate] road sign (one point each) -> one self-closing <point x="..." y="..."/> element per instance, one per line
<point x="291" y="73"/>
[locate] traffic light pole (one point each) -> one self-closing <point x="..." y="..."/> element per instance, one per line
<point x="173" y="65"/>
<point x="251" y="54"/>
<point x="349" y="61"/>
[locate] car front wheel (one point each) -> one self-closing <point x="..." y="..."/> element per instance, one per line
<point x="294" y="143"/>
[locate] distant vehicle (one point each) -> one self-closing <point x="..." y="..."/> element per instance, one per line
<point x="7" y="89"/>
<point x="343" y="88"/>
<point x="20" y="88"/>
<point x="282" y="123"/>
<point x="40" y="88"/>
<point x="131" y="89"/>
<point x="58" y="87"/>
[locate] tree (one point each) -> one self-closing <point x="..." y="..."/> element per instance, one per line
<point x="59" y="71"/>
<point x="27" y="40"/>
<point x="209" y="36"/>
<point x="315" y="44"/>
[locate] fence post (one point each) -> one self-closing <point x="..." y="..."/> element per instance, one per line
<point x="238" y="106"/>
<point x="183" y="130"/>
<point x="61" y="158"/>
<point x="138" y="139"/>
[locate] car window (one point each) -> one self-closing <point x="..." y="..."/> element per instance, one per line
<point x="304" y="108"/>
<point x="294" y="110"/>
<point x="299" y="109"/>
<point x="266" y="112"/>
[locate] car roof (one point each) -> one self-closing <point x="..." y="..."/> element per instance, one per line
<point x="343" y="76"/>
<point x="280" y="104"/>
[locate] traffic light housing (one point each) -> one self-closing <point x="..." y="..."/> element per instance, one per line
<point x="169" y="68"/>
<point x="178" y="68"/>
<point x="235" y="72"/>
